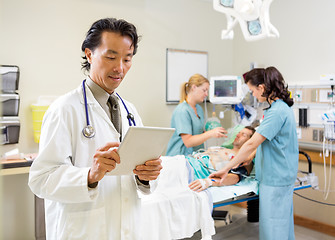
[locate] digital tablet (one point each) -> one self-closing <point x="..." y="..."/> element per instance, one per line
<point x="139" y="145"/>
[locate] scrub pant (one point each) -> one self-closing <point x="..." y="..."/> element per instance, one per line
<point x="276" y="212"/>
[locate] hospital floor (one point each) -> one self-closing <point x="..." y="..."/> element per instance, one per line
<point x="240" y="228"/>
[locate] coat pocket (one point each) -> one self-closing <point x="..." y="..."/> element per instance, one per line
<point x="88" y="225"/>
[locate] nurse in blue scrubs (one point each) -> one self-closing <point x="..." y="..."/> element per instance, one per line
<point x="277" y="154"/>
<point x="188" y="119"/>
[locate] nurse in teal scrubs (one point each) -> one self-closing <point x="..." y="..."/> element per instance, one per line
<point x="188" y="119"/>
<point x="276" y="157"/>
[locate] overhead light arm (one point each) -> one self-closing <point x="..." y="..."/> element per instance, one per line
<point x="253" y="16"/>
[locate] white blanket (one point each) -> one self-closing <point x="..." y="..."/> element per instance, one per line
<point x="174" y="211"/>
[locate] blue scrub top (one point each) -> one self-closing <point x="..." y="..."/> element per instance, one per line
<point x="277" y="157"/>
<point x="185" y="121"/>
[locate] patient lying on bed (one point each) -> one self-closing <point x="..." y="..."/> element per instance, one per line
<point x="205" y="162"/>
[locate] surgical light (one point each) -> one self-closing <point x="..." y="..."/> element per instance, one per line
<point x="252" y="15"/>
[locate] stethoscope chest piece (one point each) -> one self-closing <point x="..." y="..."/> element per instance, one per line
<point x="130" y="117"/>
<point x="88" y="131"/>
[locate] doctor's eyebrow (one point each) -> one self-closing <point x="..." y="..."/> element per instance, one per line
<point x="110" y="51"/>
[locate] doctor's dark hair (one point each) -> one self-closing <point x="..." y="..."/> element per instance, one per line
<point x="273" y="81"/>
<point x="197" y="80"/>
<point x="93" y="36"/>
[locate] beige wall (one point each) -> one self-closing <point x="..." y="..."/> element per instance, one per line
<point x="318" y="212"/>
<point x="44" y="37"/>
<point x="304" y="50"/>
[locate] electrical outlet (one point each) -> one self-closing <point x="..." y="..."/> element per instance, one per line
<point x="298" y="95"/>
<point x="321" y="135"/>
<point x="315" y="135"/>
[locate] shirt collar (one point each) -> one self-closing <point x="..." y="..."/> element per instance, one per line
<point x="98" y="92"/>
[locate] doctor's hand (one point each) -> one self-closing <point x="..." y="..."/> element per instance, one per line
<point x="150" y="170"/>
<point x="104" y="161"/>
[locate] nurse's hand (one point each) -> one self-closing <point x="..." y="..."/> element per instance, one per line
<point x="249" y="159"/>
<point x="150" y="170"/>
<point x="104" y="161"/>
<point x="218" y="132"/>
<point x="219" y="176"/>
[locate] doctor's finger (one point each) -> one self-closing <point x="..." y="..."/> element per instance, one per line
<point x="114" y="156"/>
<point x="111" y="154"/>
<point x="104" y="163"/>
<point x="147" y="175"/>
<point x="110" y="166"/>
<point x="108" y="146"/>
<point x="153" y="162"/>
<point x="146" y="171"/>
<point x="148" y="167"/>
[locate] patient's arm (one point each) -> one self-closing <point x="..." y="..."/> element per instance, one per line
<point x="202" y="184"/>
<point x="249" y="167"/>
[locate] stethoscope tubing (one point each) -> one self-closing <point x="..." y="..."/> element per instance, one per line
<point x="85" y="101"/>
<point x="130" y="117"/>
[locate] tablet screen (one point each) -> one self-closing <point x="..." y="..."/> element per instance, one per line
<point x="139" y="145"/>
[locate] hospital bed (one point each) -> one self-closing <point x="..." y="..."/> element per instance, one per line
<point x="253" y="195"/>
<point x="241" y="227"/>
<point x="173" y="211"/>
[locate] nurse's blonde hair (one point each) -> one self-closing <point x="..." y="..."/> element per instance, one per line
<point x="197" y="80"/>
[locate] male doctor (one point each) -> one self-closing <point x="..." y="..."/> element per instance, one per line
<point x="81" y="202"/>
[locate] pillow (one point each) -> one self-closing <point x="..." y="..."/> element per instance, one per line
<point x="232" y="132"/>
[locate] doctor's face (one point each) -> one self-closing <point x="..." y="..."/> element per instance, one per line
<point x="111" y="60"/>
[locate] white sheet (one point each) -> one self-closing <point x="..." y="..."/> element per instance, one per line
<point x="174" y="211"/>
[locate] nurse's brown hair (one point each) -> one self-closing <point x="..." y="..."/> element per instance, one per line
<point x="273" y="82"/>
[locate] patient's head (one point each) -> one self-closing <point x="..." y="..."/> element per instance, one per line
<point x="244" y="135"/>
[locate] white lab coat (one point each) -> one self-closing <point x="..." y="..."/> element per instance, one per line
<point x="59" y="174"/>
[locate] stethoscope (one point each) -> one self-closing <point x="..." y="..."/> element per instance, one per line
<point x="89" y="131"/>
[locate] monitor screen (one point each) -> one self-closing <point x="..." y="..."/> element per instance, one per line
<point x="227" y="88"/>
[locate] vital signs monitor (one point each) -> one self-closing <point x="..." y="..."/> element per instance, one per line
<point x="225" y="90"/>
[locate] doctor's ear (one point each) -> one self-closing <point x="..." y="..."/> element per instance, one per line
<point x="88" y="54"/>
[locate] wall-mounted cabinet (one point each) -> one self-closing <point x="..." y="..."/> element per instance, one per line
<point x="10" y="102"/>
